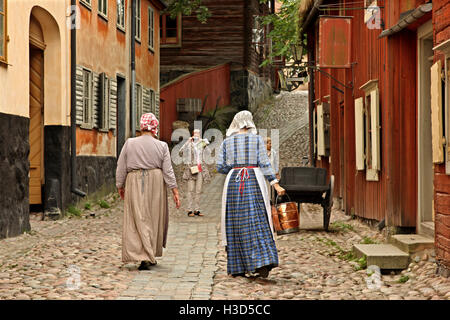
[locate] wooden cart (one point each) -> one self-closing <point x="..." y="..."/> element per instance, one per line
<point x="309" y="185"/>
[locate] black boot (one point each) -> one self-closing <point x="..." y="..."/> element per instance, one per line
<point x="145" y="265"/>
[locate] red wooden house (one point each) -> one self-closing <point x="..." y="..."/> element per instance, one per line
<point x="378" y="112"/>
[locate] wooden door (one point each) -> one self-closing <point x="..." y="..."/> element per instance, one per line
<point x="36" y="125"/>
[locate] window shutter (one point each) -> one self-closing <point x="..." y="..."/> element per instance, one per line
<point x="113" y="104"/>
<point x="320" y="131"/>
<point x="326" y="127"/>
<point x="79" y="95"/>
<point x="375" y="124"/>
<point x="314" y="132"/>
<point x="359" y="133"/>
<point x="436" y="113"/>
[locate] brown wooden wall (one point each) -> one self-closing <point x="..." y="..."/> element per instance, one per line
<point x="225" y="37"/>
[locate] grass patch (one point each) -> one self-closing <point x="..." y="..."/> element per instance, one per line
<point x="104" y="204"/>
<point x="73" y="211"/>
<point x="403" y="279"/>
<point x="87" y="206"/>
<point x="367" y="240"/>
<point x="341" y="226"/>
<point x="346" y="255"/>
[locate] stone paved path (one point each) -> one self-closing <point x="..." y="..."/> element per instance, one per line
<point x="188" y="265"/>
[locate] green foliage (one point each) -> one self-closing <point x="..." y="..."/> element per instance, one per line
<point x="403" y="279"/>
<point x="87" y="206"/>
<point x="73" y="211"/>
<point x="285" y="30"/>
<point x="340" y="226"/>
<point x="222" y="117"/>
<point x="103" y="204"/>
<point x="188" y="8"/>
<point x="367" y="240"/>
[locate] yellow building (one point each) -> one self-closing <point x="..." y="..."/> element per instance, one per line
<point x="34" y="96"/>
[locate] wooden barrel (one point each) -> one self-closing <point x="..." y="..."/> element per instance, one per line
<point x="288" y="217"/>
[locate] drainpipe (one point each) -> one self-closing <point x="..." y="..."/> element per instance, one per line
<point x="133" y="69"/>
<point x="73" y="109"/>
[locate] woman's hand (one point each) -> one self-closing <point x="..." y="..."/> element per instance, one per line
<point x="122" y="193"/>
<point x="176" y="197"/>
<point x="279" y="190"/>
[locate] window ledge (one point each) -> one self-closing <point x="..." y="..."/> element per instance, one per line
<point x="86" y="5"/>
<point x="104" y="17"/>
<point x="103" y="130"/>
<point x="120" y="28"/>
<point x="86" y="126"/>
<point x="152" y="50"/>
<point x="171" y="45"/>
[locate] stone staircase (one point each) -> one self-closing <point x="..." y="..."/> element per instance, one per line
<point x="397" y="253"/>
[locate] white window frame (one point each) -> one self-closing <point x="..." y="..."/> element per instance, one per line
<point x="151" y="28"/>
<point x="103" y="11"/>
<point x="138" y="21"/>
<point x="105" y="102"/>
<point x="444" y="48"/>
<point x="372" y="117"/>
<point x="121" y="15"/>
<point x="87" y="3"/>
<point x="4" y="57"/>
<point x="368" y="13"/>
<point x="88" y="114"/>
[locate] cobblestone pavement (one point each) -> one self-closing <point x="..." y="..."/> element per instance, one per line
<point x="313" y="264"/>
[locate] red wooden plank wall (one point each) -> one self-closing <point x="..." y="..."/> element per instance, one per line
<point x="214" y="82"/>
<point x="441" y="24"/>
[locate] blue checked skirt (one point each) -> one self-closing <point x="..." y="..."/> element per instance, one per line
<point x="250" y="243"/>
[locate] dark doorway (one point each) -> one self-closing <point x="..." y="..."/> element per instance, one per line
<point x="121" y="113"/>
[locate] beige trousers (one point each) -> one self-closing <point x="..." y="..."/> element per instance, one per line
<point x="194" y="192"/>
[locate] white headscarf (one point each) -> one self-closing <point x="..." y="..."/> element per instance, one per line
<point x="243" y="119"/>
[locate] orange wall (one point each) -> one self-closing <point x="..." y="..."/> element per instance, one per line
<point x="102" y="47"/>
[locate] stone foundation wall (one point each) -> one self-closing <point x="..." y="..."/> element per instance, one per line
<point x="14" y="168"/>
<point x="95" y="173"/>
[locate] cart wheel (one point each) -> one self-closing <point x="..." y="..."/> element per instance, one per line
<point x="326" y="217"/>
<point x="330" y="200"/>
<point x="328" y="205"/>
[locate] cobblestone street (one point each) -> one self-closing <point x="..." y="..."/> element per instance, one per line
<point x="42" y="264"/>
<point x="79" y="257"/>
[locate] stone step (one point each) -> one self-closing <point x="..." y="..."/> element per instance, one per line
<point x="411" y="243"/>
<point x="385" y="256"/>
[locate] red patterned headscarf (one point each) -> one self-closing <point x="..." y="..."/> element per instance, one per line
<point x="149" y="123"/>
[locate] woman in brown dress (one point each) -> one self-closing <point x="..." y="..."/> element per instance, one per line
<point x="144" y="170"/>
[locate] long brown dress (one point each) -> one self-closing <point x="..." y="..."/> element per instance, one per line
<point x="145" y="170"/>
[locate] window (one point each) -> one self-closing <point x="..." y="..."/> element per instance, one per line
<point x="87" y="99"/>
<point x="103" y="8"/>
<point x="369" y="9"/>
<point x="367" y="131"/>
<point x="121" y="14"/>
<point x="105" y="98"/>
<point x="323" y="129"/>
<point x="257" y="34"/>
<point x="153" y="101"/>
<point x="170" y="30"/>
<point x="138" y="20"/>
<point x="139" y="104"/>
<point x="3" y="34"/>
<point x="151" y="28"/>
<point x="87" y="3"/>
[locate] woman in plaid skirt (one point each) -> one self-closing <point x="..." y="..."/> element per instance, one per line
<point x="247" y="230"/>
